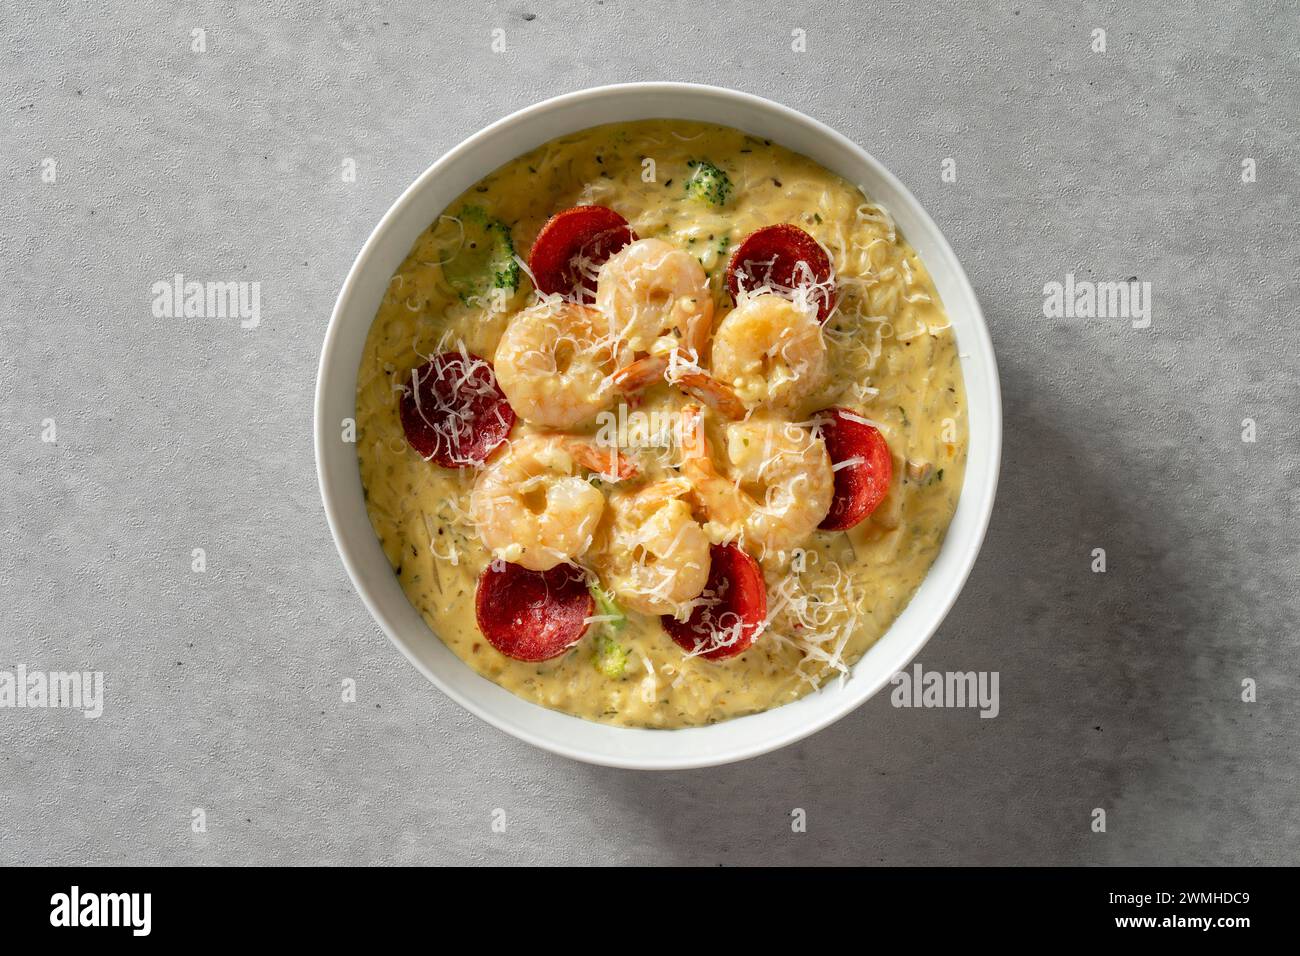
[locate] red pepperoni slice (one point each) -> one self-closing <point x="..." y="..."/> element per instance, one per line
<point x="453" y="411"/>
<point x="861" y="486"/>
<point x="532" y="615"/>
<point x="729" y="625"/>
<point x="583" y="235"/>
<point x="784" y="257"/>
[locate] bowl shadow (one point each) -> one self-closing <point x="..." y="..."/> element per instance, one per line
<point x="1092" y="679"/>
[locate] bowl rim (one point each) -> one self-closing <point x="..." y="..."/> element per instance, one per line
<point x="331" y="495"/>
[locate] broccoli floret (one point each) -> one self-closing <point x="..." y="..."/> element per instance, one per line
<point x="485" y="259"/>
<point x="610" y="657"/>
<point x="606" y="606"/>
<point x="708" y="183"/>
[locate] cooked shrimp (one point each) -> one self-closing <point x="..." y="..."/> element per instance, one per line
<point x="770" y="352"/>
<point x="640" y="373"/>
<point x="554" y="363"/>
<point x="657" y="299"/>
<point x="778" y="486"/>
<point x="532" y="505"/>
<point x="711" y="392"/>
<point x="686" y="375"/>
<point x="655" y="556"/>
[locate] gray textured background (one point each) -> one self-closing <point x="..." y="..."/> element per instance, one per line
<point x="1119" y="691"/>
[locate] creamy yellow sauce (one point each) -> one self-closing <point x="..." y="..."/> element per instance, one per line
<point x="893" y="360"/>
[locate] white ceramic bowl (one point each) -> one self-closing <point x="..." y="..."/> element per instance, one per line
<point x="340" y="480"/>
